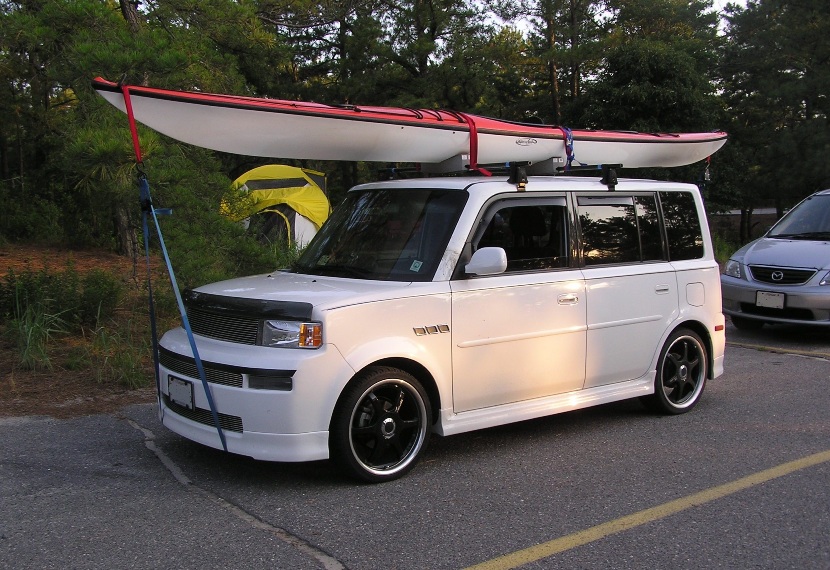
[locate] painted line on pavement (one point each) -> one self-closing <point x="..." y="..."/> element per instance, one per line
<point x="546" y="549"/>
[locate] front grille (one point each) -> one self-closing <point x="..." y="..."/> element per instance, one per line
<point x="784" y="275"/>
<point x="227" y="421"/>
<point x="186" y="366"/>
<point x="230" y="328"/>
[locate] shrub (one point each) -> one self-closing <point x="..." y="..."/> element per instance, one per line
<point x="101" y="294"/>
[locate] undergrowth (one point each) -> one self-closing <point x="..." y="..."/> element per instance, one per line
<point x="98" y="322"/>
<point x="46" y="311"/>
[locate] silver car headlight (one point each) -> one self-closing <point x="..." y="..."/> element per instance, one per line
<point x="291" y="334"/>
<point x="733" y="269"/>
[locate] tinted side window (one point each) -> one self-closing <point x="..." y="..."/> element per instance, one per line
<point x="685" y="237"/>
<point x="619" y="229"/>
<point x="533" y="235"/>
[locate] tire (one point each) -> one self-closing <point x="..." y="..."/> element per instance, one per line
<point x="380" y="425"/>
<point x="745" y="324"/>
<point x="681" y="374"/>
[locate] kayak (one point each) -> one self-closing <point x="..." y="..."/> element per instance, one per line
<point x="276" y="128"/>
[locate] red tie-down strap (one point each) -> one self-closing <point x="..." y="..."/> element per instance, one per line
<point x="474" y="167"/>
<point x="125" y="90"/>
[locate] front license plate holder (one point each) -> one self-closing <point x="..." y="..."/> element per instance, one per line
<point x="180" y="392"/>
<point x="769" y="300"/>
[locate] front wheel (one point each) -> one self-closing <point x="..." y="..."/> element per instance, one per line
<point x="380" y="425"/>
<point x="681" y="373"/>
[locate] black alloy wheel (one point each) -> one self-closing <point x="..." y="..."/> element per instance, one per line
<point x="381" y="425"/>
<point x="681" y="373"/>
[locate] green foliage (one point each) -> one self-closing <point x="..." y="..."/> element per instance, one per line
<point x="657" y="77"/>
<point x="723" y="248"/>
<point x="67" y="166"/>
<point x="118" y="355"/>
<point x="776" y="88"/>
<point x="100" y="295"/>
<point x="79" y="301"/>
<point x="31" y="327"/>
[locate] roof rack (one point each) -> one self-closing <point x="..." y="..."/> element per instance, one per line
<point x="517" y="172"/>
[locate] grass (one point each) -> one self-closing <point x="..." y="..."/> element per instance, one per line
<point x="31" y="329"/>
<point x="723" y="249"/>
<point x="80" y="323"/>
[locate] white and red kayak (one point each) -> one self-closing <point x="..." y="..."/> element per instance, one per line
<point x="294" y="129"/>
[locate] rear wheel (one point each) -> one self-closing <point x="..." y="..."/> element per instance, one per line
<point x="381" y="425"/>
<point x="681" y="373"/>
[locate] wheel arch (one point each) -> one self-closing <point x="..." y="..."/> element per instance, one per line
<point x="700" y="329"/>
<point x="416" y="369"/>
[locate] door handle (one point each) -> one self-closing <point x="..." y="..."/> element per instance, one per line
<point x="567" y="299"/>
<point x="661" y="289"/>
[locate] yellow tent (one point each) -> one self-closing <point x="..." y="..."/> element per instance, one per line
<point x="293" y="198"/>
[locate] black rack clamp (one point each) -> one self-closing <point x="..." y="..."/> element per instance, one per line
<point x="609" y="175"/>
<point x="518" y="175"/>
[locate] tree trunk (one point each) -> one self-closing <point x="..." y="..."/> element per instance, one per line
<point x="129" y="9"/>
<point x="553" y="70"/>
<point x="125" y="232"/>
<point x="746" y="225"/>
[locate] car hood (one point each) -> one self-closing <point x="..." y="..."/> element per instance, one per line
<point x="786" y="253"/>
<point x="321" y="292"/>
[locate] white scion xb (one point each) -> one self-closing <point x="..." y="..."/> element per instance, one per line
<point x="446" y="305"/>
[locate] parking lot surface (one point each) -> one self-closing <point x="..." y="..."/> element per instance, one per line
<point x="741" y="481"/>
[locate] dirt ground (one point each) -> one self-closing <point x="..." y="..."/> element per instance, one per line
<point x="62" y="392"/>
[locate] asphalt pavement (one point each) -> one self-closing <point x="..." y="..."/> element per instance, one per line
<point x="742" y="481"/>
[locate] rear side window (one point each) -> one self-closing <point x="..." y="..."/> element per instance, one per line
<point x="685" y="237"/>
<point x="619" y="229"/>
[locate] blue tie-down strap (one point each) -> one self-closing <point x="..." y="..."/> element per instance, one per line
<point x="147" y="208"/>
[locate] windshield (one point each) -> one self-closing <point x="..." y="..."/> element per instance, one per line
<point x="385" y="234"/>
<point x="809" y="220"/>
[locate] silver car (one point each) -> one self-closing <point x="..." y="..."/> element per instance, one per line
<point x="783" y="276"/>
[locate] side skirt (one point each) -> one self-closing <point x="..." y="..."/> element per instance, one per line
<point x="451" y="423"/>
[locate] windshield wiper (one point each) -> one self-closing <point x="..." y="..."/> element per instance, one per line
<point x="337" y="270"/>
<point x="804" y="235"/>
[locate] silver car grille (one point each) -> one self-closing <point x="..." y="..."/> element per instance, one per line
<point x="781" y="275"/>
<point x="227" y="327"/>
<point x="203" y="416"/>
<point x="187" y="367"/>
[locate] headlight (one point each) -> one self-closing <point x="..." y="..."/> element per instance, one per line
<point x="291" y="334"/>
<point x="733" y="269"/>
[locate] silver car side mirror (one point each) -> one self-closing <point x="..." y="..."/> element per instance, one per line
<point x="487" y="261"/>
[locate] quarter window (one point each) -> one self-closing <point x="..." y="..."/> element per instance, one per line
<point x="685" y="238"/>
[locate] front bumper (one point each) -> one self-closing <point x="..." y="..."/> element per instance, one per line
<point x="803" y="305"/>
<point x="267" y="424"/>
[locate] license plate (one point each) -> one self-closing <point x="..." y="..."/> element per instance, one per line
<point x="770" y="300"/>
<point x="180" y="391"/>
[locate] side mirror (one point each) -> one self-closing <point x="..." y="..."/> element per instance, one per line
<point x="487" y="261"/>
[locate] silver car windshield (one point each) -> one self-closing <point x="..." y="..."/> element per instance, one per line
<point x="810" y="220"/>
<point x="385" y="234"/>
